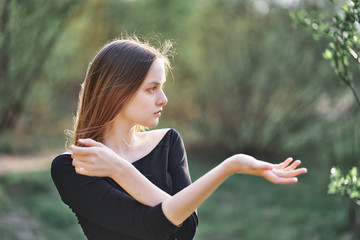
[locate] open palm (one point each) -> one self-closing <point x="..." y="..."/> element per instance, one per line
<point x="284" y="173"/>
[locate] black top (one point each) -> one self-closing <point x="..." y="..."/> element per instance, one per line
<point x="105" y="211"/>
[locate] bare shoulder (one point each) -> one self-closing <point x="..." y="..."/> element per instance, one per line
<point x="156" y="134"/>
<point x="149" y="139"/>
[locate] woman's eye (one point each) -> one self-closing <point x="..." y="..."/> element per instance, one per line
<point x="152" y="89"/>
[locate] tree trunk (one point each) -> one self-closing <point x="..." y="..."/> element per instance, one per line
<point x="353" y="212"/>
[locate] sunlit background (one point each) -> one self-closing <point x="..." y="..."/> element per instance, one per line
<point x="243" y="79"/>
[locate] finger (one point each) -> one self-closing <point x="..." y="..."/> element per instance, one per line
<point x="293" y="166"/>
<point x="80" y="151"/>
<point x="85" y="159"/>
<point x="289" y="174"/>
<point x="284" y="163"/>
<point x="285" y="180"/>
<point x="78" y="163"/>
<point x="90" y="142"/>
<point x="82" y="171"/>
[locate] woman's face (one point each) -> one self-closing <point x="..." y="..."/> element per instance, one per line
<point x="145" y="107"/>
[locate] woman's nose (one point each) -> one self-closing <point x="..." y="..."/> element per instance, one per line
<point x="162" y="99"/>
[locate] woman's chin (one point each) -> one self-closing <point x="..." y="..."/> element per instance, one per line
<point x="152" y="124"/>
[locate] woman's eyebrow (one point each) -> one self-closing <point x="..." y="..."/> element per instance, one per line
<point x="155" y="82"/>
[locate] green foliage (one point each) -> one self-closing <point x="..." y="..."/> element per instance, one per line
<point x="348" y="184"/>
<point x="239" y="81"/>
<point x="344" y="150"/>
<point x="30" y="208"/>
<point x="342" y="31"/>
<point x="252" y="91"/>
<point x="28" y="32"/>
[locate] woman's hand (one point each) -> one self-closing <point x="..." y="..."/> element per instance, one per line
<point x="282" y="173"/>
<point x="95" y="159"/>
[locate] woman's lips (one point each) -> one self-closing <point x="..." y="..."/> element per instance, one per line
<point x="158" y="113"/>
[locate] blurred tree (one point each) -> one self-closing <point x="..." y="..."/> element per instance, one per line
<point x="344" y="151"/>
<point x="28" y="33"/>
<point x="342" y="31"/>
<point x="239" y="79"/>
<point x="250" y="90"/>
<point x="340" y="27"/>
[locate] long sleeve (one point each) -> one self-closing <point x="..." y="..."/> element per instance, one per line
<point x="179" y="171"/>
<point x="93" y="199"/>
<point x="105" y="211"/>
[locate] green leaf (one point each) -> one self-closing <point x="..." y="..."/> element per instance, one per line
<point x="353" y="172"/>
<point x="327" y="54"/>
<point x="355" y="194"/>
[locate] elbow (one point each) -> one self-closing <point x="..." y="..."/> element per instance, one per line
<point x="171" y="214"/>
<point x="158" y="225"/>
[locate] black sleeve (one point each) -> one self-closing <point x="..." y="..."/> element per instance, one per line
<point x="96" y="200"/>
<point x="179" y="171"/>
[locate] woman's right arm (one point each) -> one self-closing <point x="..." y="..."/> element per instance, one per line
<point x="182" y="204"/>
<point x="98" y="160"/>
<point x="90" y="161"/>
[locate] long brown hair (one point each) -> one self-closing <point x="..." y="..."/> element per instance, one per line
<point x="112" y="79"/>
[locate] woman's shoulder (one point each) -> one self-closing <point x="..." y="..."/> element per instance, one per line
<point x="165" y="136"/>
<point x="158" y="134"/>
<point x="60" y="160"/>
<point x="64" y="155"/>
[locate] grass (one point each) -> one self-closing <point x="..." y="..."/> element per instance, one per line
<point x="244" y="207"/>
<point x="250" y="208"/>
<point x="31" y="209"/>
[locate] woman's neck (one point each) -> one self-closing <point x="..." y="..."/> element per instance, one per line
<point x="120" y="139"/>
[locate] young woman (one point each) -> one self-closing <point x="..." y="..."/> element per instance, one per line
<point x="124" y="183"/>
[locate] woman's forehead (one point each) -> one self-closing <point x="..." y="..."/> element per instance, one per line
<point x="156" y="73"/>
